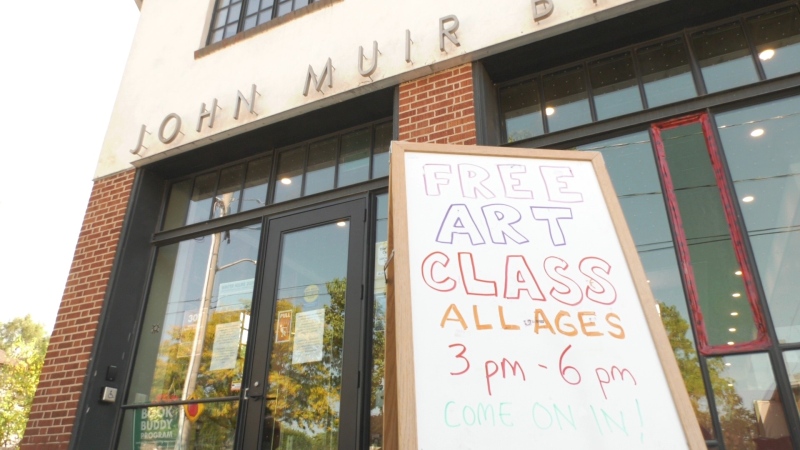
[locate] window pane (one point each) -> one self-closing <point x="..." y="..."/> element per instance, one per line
<point x="566" y="101"/>
<point x="256" y="183"/>
<point x="229" y="191"/>
<point x="252" y="7"/>
<point x="666" y="73"/>
<point x="614" y="86"/>
<point x="522" y="113"/>
<point x="290" y="174"/>
<point x="306" y="361"/>
<point x="198" y="312"/>
<point x="250" y="22"/>
<point x="265" y="16"/>
<point x="380" y="153"/>
<point x="777" y="39"/>
<point x="235" y="10"/>
<point x="354" y="157"/>
<point x="321" y="166"/>
<point x="218" y="35"/>
<point x="379" y="323"/>
<point x="230" y="30"/>
<point x="214" y="428"/>
<point x="222" y="18"/>
<point x="750" y="412"/>
<point x="721" y="293"/>
<point x="632" y="168"/>
<point x="178" y="204"/>
<point x="724" y="57"/>
<point x="284" y="7"/>
<point x="201" y="202"/>
<point x="760" y="144"/>
<point x="792" y="360"/>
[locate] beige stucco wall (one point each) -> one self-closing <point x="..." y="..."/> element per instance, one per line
<point x="164" y="77"/>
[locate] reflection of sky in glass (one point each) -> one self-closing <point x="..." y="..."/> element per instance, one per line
<point x="767" y="168"/>
<point x="309" y="259"/>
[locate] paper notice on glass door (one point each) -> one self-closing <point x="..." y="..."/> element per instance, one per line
<point x="309" y="328"/>
<point x="226" y="346"/>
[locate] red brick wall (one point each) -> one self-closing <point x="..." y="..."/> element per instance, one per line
<point x="439" y="108"/>
<point x="54" y="406"/>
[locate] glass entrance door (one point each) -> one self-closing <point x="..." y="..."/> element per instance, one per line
<point x="303" y="388"/>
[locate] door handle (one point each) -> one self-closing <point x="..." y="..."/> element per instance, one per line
<point x="254" y="392"/>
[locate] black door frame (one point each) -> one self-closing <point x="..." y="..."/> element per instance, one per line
<point x="252" y="407"/>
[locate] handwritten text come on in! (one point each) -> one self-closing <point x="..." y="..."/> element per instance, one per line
<point x="460" y="272"/>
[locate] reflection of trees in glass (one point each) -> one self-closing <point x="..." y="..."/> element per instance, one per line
<point x="305" y="397"/>
<point x="378" y="368"/>
<point x="217" y="423"/>
<point x="737" y="421"/>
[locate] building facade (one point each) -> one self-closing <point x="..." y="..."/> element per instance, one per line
<point x="227" y="289"/>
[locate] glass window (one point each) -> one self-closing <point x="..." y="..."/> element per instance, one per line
<point x="229" y="18"/>
<point x="748" y="404"/>
<point x="229" y="191"/>
<point x="380" y="153"/>
<point x="776" y="35"/>
<point x="792" y="360"/>
<point x="379" y="323"/>
<point x="321" y="166"/>
<point x="565" y="98"/>
<point x="760" y="145"/>
<point x="716" y="273"/>
<point x="614" y="86"/>
<point x="256" y="183"/>
<point x="290" y="174"/>
<point x="178" y="205"/>
<point x="246" y="186"/>
<point x="666" y="72"/>
<point x="354" y="157"/>
<point x="724" y="57"/>
<point x="521" y="111"/>
<point x="632" y="168"/>
<point x="202" y="198"/>
<point x="193" y="339"/>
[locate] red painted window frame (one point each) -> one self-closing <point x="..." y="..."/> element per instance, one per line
<point x="762" y="340"/>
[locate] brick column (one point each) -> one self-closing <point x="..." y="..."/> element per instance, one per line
<point x="439" y="108"/>
<point x="54" y="406"/>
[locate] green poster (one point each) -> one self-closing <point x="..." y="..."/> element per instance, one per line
<point x="155" y="427"/>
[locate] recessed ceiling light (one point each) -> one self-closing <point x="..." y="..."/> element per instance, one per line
<point x="549" y="110"/>
<point x="734" y="313"/>
<point x="738" y="272"/>
<point x="736" y="295"/>
<point x="757" y="132"/>
<point x="748" y="198"/>
<point x="732" y="330"/>
<point x="731" y="343"/>
<point x="342" y="223"/>
<point x="766" y="54"/>
<point x="286" y="181"/>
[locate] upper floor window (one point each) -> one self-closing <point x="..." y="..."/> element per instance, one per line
<point x="309" y="168"/>
<point x="235" y="16"/>
<point x="733" y="53"/>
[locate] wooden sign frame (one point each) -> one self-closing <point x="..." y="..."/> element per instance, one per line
<point x="400" y="415"/>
